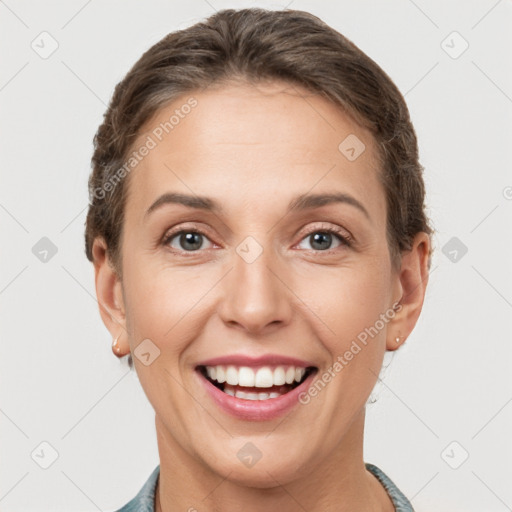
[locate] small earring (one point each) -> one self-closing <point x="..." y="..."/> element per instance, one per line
<point x="115" y="346"/>
<point x="397" y="339"/>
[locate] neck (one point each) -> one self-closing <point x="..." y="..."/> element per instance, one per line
<point x="339" y="483"/>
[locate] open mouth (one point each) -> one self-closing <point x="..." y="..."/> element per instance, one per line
<point x="264" y="383"/>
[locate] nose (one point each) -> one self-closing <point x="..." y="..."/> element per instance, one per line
<point x="255" y="296"/>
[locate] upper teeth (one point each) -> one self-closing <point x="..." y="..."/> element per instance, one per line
<point x="264" y="377"/>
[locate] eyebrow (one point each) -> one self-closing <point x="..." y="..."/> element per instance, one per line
<point x="308" y="201"/>
<point x="299" y="203"/>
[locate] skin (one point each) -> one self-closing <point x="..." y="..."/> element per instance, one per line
<point x="254" y="148"/>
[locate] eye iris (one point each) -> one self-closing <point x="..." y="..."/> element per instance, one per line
<point x="318" y="238"/>
<point x="191" y="238"/>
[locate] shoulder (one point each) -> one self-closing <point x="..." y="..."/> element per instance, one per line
<point x="401" y="503"/>
<point x="145" y="499"/>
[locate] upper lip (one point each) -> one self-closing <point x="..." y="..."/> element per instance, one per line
<point x="252" y="361"/>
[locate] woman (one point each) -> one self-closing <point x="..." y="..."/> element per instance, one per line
<point x="259" y="240"/>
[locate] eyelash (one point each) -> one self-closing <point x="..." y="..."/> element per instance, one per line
<point x="345" y="239"/>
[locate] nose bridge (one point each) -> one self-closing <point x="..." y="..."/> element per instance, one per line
<point x="255" y="297"/>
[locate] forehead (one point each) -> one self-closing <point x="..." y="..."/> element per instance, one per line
<point x="240" y="142"/>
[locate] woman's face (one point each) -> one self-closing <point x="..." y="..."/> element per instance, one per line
<point x="269" y="272"/>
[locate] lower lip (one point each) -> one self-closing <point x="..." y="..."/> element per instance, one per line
<point x="255" y="410"/>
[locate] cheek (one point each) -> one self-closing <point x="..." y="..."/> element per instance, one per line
<point x="345" y="300"/>
<point x="347" y="308"/>
<point x="164" y="303"/>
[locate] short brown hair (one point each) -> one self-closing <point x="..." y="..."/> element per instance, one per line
<point x="257" y="44"/>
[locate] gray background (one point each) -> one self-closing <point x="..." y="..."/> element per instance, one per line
<point x="61" y="384"/>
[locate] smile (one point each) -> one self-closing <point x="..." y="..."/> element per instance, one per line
<point x="252" y="388"/>
<point x="263" y="383"/>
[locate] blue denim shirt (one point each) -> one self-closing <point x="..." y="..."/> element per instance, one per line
<point x="145" y="499"/>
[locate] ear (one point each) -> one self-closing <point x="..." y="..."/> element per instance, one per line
<point x="110" y="295"/>
<point x="412" y="283"/>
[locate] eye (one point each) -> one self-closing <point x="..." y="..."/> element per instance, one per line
<point x="322" y="239"/>
<point x="188" y="240"/>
